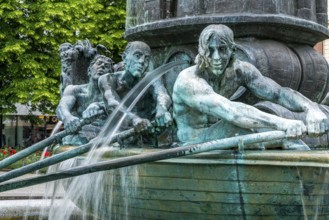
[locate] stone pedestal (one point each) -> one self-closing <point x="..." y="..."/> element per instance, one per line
<point x="276" y="36"/>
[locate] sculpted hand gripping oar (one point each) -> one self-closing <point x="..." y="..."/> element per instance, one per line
<point x="127" y="101"/>
<point x="222" y="144"/>
<point x="40" y="145"/>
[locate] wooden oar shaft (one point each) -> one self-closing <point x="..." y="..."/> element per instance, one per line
<point x="30" y="150"/>
<point x="59" y="158"/>
<point x="149" y="157"/>
<point x="141" y="85"/>
<point x="42" y="144"/>
<point x="127" y="101"/>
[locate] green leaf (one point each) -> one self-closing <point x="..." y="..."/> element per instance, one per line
<point x="31" y="33"/>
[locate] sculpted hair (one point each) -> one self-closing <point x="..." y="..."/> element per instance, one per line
<point x="223" y="32"/>
<point x="133" y="45"/>
<point x="100" y="57"/>
<point x="65" y="46"/>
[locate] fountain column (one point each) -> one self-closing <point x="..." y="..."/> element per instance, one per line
<point x="276" y="36"/>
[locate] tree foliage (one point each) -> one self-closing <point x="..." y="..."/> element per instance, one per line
<point x="30" y="35"/>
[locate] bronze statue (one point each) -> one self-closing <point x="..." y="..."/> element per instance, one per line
<point x="203" y="111"/>
<point x="114" y="86"/>
<point x="83" y="101"/>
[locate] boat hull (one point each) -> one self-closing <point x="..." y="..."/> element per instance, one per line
<point x="221" y="185"/>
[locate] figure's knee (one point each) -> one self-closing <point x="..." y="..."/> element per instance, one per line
<point x="224" y="129"/>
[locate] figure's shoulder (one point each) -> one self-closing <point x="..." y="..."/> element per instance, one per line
<point x="187" y="78"/>
<point x="109" y="77"/>
<point x="104" y="77"/>
<point x="244" y="65"/>
<point x="245" y="69"/>
<point x="116" y="74"/>
<point x="189" y="72"/>
<point x="73" y="89"/>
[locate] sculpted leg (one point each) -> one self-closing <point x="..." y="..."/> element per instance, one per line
<point x="222" y="129"/>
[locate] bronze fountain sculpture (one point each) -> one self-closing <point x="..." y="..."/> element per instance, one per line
<point x="249" y="95"/>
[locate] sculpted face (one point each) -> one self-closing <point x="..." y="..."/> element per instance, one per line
<point x="100" y="67"/>
<point x="137" y="61"/>
<point x="219" y="55"/>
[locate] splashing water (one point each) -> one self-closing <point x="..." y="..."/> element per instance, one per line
<point x="53" y="132"/>
<point x="89" y="191"/>
<point x="50" y="187"/>
<point x="313" y="196"/>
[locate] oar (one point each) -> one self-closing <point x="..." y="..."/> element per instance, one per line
<point x="114" y="118"/>
<point x="79" y="150"/>
<point x="42" y="144"/>
<point x="221" y="144"/>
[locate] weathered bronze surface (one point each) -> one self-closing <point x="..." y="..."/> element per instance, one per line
<point x="212" y="99"/>
<point x="224" y="185"/>
<point x="266" y="32"/>
<point x="203" y="111"/>
<point x="84" y="101"/>
<point x="291" y="21"/>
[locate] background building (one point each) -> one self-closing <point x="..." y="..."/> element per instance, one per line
<point x="26" y="128"/>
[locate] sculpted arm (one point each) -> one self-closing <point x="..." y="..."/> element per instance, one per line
<point x="266" y="88"/>
<point x="105" y="85"/>
<point x="112" y="101"/>
<point x="64" y="109"/>
<point x="163" y="103"/>
<point x="94" y="109"/>
<point x="198" y="94"/>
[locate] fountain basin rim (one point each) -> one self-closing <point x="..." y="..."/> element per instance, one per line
<point x="314" y="158"/>
<point x="243" y="24"/>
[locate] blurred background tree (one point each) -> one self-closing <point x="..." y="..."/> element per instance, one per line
<point x="30" y="35"/>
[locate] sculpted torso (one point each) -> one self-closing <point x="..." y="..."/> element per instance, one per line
<point x="203" y="92"/>
<point x="84" y="99"/>
<point x="193" y="84"/>
<point x="114" y="88"/>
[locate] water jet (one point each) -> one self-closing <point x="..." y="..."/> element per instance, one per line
<point x="276" y="37"/>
